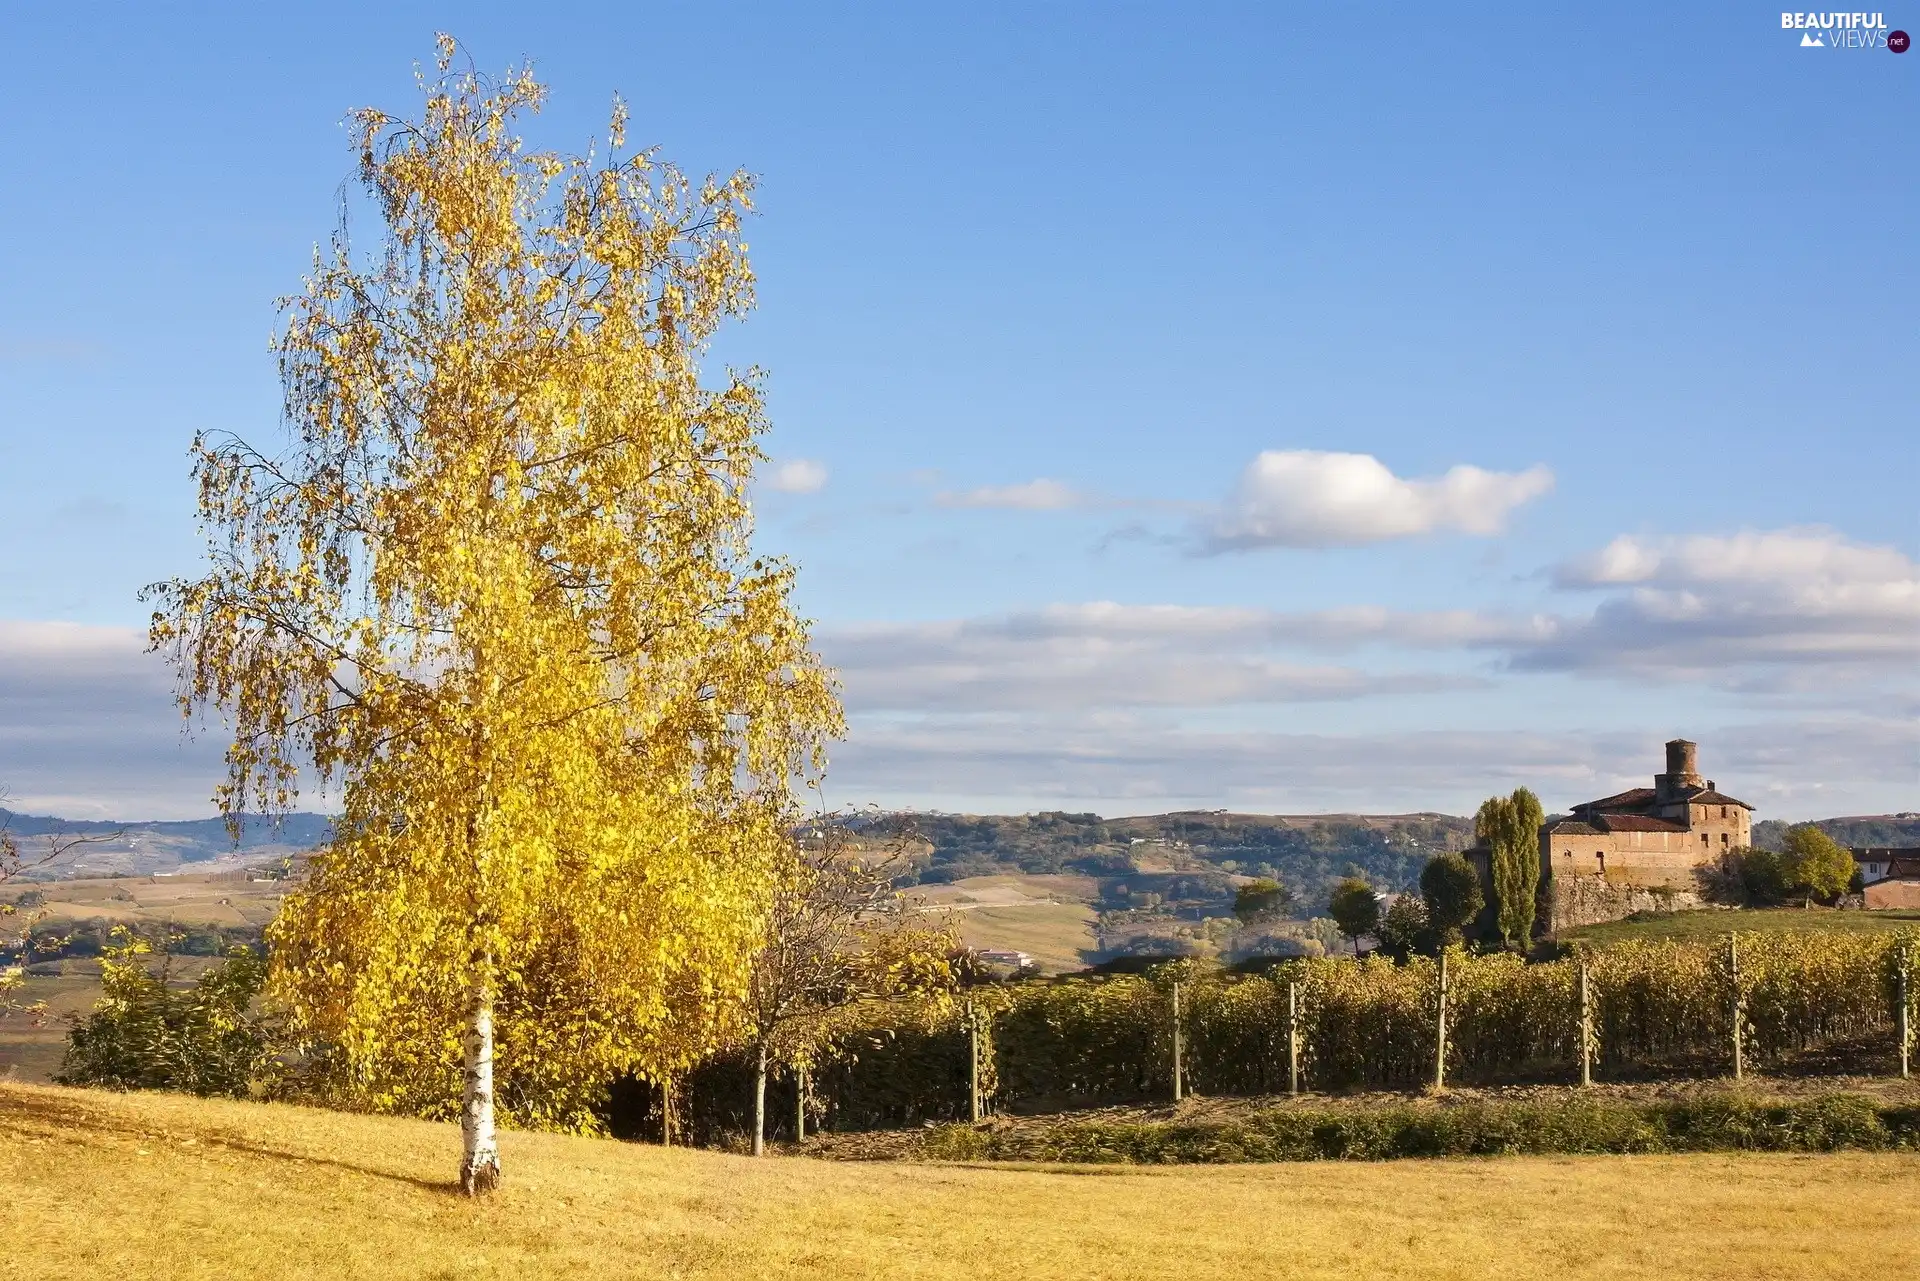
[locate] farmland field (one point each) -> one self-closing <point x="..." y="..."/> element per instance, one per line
<point x="167" y="1185"/>
<point x="1049" y="917"/>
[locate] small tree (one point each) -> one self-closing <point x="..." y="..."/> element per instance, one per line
<point x="1752" y="877"/>
<point x="1813" y="865"/>
<point x="1261" y="899"/>
<point x="1451" y="890"/>
<point x="144" y="1034"/>
<point x="1406" y="930"/>
<point x="1509" y="828"/>
<point x="1355" y="908"/>
<point x="838" y="934"/>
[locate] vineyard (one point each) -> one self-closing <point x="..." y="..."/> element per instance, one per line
<point x="1635" y="1011"/>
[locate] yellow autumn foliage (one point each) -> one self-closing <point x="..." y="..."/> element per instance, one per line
<point x="498" y="595"/>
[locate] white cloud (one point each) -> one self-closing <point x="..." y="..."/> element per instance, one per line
<point x="798" y="476"/>
<point x="1074" y="702"/>
<point x="1309" y="498"/>
<point x="1789" y="769"/>
<point x="1803" y="601"/>
<point x="1034" y="496"/>
<point x="1107" y="655"/>
<point x="89" y="729"/>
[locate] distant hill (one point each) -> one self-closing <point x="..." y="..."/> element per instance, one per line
<point x="1861" y="830"/>
<point x="143" y="849"/>
<point x="1191" y="855"/>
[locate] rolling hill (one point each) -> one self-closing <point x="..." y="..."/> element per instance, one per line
<point x="151" y="848"/>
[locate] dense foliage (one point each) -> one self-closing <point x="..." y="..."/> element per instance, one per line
<point x="1807" y="868"/>
<point x="1508" y="828"/>
<point x="147" y="1034"/>
<point x="1355" y="908"/>
<point x="498" y="587"/>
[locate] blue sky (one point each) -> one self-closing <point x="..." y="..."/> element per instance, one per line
<point x="1133" y="349"/>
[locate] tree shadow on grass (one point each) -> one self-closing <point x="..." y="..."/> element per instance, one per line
<point x="37" y="1114"/>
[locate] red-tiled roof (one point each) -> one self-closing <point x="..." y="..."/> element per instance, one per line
<point x="1716" y="798"/>
<point x="1639" y="823"/>
<point x="1628" y="799"/>
<point x="1572" y="827"/>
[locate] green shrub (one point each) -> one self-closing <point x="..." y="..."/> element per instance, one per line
<point x="145" y="1035"/>
<point x="1827" y="1123"/>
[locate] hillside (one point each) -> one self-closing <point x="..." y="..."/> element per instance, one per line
<point x="1862" y="830"/>
<point x="202" y="913"/>
<point x="1308" y="852"/>
<point x="150" y="1184"/>
<point x="149" y="848"/>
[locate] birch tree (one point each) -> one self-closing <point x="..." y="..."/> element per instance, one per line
<point x="497" y="594"/>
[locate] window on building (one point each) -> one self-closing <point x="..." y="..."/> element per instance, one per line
<point x="1601" y="855"/>
<point x="1723" y="838"/>
<point x="1703" y="838"/>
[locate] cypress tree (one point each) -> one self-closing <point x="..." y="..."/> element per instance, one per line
<point x="1509" y="828"/>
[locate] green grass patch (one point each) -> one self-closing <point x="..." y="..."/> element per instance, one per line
<point x="1824" y="1123"/>
<point x="1692" y="926"/>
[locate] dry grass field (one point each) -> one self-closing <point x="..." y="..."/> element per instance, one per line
<point x="162" y="1185"/>
<point x="1048" y="917"/>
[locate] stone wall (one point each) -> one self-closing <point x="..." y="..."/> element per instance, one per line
<point x="1590" y="900"/>
<point x="1892" y="893"/>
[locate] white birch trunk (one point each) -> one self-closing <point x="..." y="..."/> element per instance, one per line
<point x="480" y="1150"/>
<point x="760" y="1104"/>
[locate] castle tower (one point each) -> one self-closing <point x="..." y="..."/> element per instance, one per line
<point x="1683" y="775"/>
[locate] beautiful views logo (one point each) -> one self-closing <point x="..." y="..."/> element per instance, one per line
<point x="1844" y="31"/>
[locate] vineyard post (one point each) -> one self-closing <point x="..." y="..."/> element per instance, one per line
<point x="1293" y="1038"/>
<point x="973" y="1063"/>
<point x="1586" y="1024"/>
<point x="1739" y="1005"/>
<point x="1440" y="1038"/>
<point x="666" y="1111"/>
<point x="1905" y="976"/>
<point x="1178" y="1090"/>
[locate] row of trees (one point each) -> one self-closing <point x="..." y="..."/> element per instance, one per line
<point x="1809" y="867"/>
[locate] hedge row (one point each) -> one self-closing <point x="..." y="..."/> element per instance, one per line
<point x="1828" y="1123"/>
